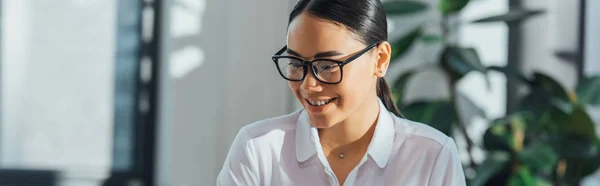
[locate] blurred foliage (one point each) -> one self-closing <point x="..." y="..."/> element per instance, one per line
<point x="403" y="44"/>
<point x="510" y="17"/>
<point x="549" y="140"/>
<point x="394" y="8"/>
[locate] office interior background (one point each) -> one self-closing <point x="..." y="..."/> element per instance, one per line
<point x="152" y="92"/>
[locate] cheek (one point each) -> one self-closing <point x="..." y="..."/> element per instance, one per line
<point x="355" y="85"/>
<point x="294" y="86"/>
<point x="347" y="92"/>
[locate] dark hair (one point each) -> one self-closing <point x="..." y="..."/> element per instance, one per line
<point x="364" y="18"/>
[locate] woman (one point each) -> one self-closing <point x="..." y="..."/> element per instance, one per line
<point x="349" y="132"/>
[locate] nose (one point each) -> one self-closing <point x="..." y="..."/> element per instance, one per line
<point x="311" y="84"/>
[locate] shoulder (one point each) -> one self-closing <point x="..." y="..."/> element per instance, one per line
<point x="253" y="143"/>
<point x="431" y="152"/>
<point x="422" y="135"/>
<point x="413" y="129"/>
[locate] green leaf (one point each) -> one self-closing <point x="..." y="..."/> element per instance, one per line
<point x="437" y="114"/>
<point x="580" y="168"/>
<point x="510" y="17"/>
<point x="550" y="86"/>
<point x="545" y="107"/>
<point x="539" y="157"/>
<point x="506" y="134"/>
<point x="393" y="8"/>
<point x="522" y="177"/>
<point x="546" y="93"/>
<point x="569" y="56"/>
<point x="581" y="154"/>
<point x="592" y="163"/>
<point x="588" y="91"/>
<point x="517" y="129"/>
<point x="552" y="120"/>
<point x="492" y="165"/>
<point x="573" y="147"/>
<point x="431" y="39"/>
<point x="399" y="87"/>
<point x="581" y="124"/>
<point x="452" y="6"/>
<point x="535" y="102"/>
<point x="400" y="47"/>
<point x="542" y="182"/>
<point x="461" y="61"/>
<point x="509" y="73"/>
<point x="498" y="137"/>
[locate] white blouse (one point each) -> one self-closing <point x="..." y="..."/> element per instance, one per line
<point x="286" y="151"/>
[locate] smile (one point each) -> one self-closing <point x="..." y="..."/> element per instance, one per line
<point x="319" y="102"/>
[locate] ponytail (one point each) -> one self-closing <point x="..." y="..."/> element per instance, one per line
<point x="384" y="93"/>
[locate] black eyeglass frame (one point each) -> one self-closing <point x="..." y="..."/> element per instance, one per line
<point x="309" y="64"/>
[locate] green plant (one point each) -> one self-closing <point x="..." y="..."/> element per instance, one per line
<point x="549" y="140"/>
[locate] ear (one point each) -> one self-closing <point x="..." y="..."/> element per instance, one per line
<point x="383" y="53"/>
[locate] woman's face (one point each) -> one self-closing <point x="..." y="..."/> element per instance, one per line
<point x="309" y="36"/>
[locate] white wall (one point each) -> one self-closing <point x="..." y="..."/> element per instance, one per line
<point x="234" y="84"/>
<point x="592" y="45"/>
<point x="57" y="87"/>
<point x="544" y="35"/>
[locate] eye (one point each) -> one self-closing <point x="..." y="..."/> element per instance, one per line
<point x="293" y="63"/>
<point x="327" y="66"/>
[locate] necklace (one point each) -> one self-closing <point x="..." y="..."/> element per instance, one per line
<point x="341" y="155"/>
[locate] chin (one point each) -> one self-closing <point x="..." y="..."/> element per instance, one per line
<point x="323" y="115"/>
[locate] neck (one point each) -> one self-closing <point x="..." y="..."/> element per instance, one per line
<point x="357" y="129"/>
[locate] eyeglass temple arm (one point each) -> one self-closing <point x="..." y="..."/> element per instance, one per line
<point x="281" y="51"/>
<point x="360" y="53"/>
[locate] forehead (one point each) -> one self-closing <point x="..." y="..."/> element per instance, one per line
<point x="308" y="35"/>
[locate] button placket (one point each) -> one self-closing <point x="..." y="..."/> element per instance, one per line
<point x="352" y="176"/>
<point x="332" y="179"/>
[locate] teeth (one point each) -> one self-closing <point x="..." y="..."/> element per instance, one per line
<point x="319" y="103"/>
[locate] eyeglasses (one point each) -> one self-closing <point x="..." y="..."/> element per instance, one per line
<point x="326" y="71"/>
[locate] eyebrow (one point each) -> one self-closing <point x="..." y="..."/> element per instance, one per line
<point x="318" y="55"/>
